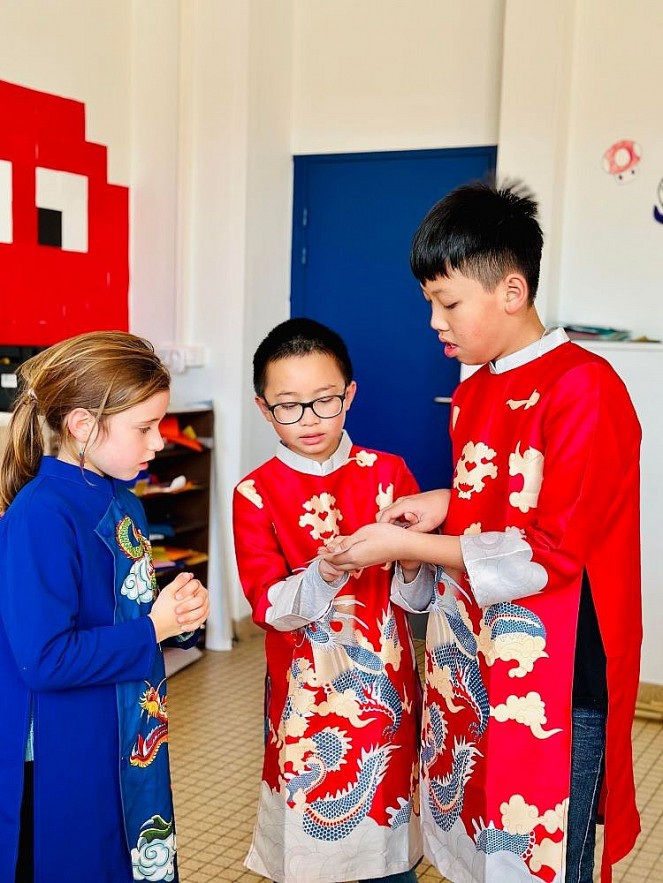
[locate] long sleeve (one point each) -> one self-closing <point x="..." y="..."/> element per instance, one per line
<point x="40" y="608"/>
<point x="590" y="431"/>
<point x="301" y="599"/>
<point x="417" y="595"/>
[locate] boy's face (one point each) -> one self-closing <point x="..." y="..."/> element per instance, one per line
<point x="471" y="321"/>
<point x="305" y="379"/>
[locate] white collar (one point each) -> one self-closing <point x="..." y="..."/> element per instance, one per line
<point x="313" y="467"/>
<point x="550" y="340"/>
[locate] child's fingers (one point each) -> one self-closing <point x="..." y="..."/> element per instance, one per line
<point x="178" y="583"/>
<point x="193" y="621"/>
<point x="338" y="547"/>
<point x="337" y="544"/>
<point x="396" y="511"/>
<point x="195" y="606"/>
<point x="191" y="588"/>
<point x="191" y="604"/>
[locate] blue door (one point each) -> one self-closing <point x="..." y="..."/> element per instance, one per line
<point x="353" y="221"/>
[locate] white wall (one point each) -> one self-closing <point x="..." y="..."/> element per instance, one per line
<point x="156" y="209"/>
<point x="269" y="204"/>
<point x="638" y="366"/>
<point x="235" y="205"/>
<point x="391" y="75"/>
<point x="533" y="125"/>
<point x="77" y="49"/>
<point x="595" y="80"/>
<point x="612" y="265"/>
<point x="212" y="245"/>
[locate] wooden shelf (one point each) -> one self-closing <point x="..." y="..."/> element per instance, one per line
<point x="186" y="511"/>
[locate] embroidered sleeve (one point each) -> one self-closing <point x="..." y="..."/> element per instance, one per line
<point x="500" y="566"/>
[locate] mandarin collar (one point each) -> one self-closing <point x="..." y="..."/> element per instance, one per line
<point x="313" y="467"/>
<point x="72" y="472"/>
<point x="549" y="341"/>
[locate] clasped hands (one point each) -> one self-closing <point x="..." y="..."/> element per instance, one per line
<point x="182" y="606"/>
<point x="391" y="538"/>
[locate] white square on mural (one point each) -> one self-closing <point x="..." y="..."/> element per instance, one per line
<point x="6" y="225"/>
<point x="66" y="192"/>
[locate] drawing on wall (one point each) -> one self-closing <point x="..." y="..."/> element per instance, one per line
<point x="658" y="209"/>
<point x="621" y="160"/>
<point x="64" y="230"/>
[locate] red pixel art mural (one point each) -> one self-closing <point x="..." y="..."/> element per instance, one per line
<point x="64" y="230"/>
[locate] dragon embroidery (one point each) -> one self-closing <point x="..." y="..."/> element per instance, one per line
<point x="452" y="657"/>
<point x="355" y="684"/>
<point x="146" y="747"/>
<point x="140" y="584"/>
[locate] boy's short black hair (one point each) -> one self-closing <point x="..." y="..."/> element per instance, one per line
<point x="298" y="337"/>
<point x="482" y="232"/>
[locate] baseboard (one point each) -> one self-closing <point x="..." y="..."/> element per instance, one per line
<point x="650" y="701"/>
<point x="245" y="628"/>
<point x="175" y="658"/>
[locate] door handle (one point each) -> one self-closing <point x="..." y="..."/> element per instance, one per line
<point x="442" y="400"/>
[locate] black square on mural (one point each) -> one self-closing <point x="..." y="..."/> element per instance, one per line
<point x="49" y="227"/>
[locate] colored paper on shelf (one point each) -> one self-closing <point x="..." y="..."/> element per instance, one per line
<point x="596" y="332"/>
<point x="196" y="558"/>
<point x="169" y="553"/>
<point x="170" y="430"/>
<point x="177" y="486"/>
<point x="161" y="529"/>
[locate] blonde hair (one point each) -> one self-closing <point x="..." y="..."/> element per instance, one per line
<point x="104" y="372"/>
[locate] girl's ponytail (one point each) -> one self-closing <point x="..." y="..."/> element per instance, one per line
<point x="24" y="450"/>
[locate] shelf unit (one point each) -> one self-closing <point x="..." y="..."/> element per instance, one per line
<point x="186" y="511"/>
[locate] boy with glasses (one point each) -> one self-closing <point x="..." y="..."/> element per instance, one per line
<point x="339" y="799"/>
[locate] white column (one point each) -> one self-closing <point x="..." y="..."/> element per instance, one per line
<point x="534" y="119"/>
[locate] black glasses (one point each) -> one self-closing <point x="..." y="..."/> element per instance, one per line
<point x="325" y="408"/>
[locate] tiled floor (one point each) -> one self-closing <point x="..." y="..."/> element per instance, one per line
<point x="215" y="710"/>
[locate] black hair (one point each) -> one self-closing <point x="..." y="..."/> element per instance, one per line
<point x="482" y="232"/>
<point x="298" y="337"/>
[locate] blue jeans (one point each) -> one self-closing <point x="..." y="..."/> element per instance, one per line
<point x="587" y="765"/>
<point x="405" y="877"/>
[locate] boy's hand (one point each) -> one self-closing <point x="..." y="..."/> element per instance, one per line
<point x="182" y="606"/>
<point x="421" y="512"/>
<point x="371" y="544"/>
<point x="328" y="572"/>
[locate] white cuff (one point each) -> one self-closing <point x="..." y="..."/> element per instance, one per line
<point x="301" y="599"/>
<point x="500" y="567"/>
<point x="415" y="596"/>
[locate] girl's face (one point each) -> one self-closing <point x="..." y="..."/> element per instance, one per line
<point x="305" y="379"/>
<point x="128" y="440"/>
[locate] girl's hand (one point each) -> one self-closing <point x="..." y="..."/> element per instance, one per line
<point x="421" y="512"/>
<point x="371" y="544"/>
<point x="181" y="606"/>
